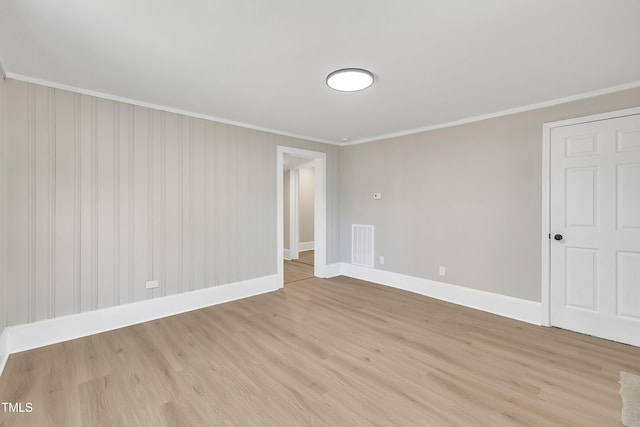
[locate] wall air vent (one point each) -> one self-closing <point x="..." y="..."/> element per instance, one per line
<point x="362" y="245"/>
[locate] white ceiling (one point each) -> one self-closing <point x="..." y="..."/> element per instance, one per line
<point x="292" y="162"/>
<point x="263" y="63"/>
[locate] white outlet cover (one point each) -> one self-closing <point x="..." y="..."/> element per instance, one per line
<point x="443" y="271"/>
<point x="152" y="284"/>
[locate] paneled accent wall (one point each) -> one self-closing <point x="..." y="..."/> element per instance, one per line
<point x="3" y="192"/>
<point x="104" y="196"/>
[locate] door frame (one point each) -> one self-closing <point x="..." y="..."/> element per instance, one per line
<point x="319" y="162"/>
<point x="545" y="296"/>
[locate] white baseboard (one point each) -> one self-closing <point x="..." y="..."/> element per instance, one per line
<point x="286" y="254"/>
<point x="514" y="308"/>
<point x="305" y="246"/>
<point x="4" y="350"/>
<point x="32" y="335"/>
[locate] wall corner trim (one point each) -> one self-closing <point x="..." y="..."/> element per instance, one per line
<point x="333" y="270"/>
<point x="38" y="334"/>
<point x="502" y="305"/>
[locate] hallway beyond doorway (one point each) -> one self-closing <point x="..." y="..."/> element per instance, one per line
<point x="299" y="269"/>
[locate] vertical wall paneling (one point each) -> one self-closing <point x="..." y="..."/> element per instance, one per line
<point x="253" y="221"/>
<point x="151" y="188"/>
<point x="211" y="217"/>
<point x="3" y="205"/>
<point x="172" y="202"/>
<point x="270" y="214"/>
<point x="106" y="251"/>
<point x="95" y="202"/>
<point x="17" y="219"/>
<point x="160" y="177"/>
<point x="66" y="202"/>
<point x="40" y="201"/>
<point x="220" y="206"/>
<point x="158" y="216"/>
<point x="100" y="197"/>
<point x="77" y="260"/>
<point x="87" y="196"/>
<point x="258" y="180"/>
<point x="131" y="205"/>
<point x="198" y="229"/>
<point x="51" y="133"/>
<point x="31" y="202"/>
<point x="116" y="203"/>
<point x="184" y="249"/>
<point x="142" y="201"/>
<point x="241" y="215"/>
<point x="209" y="134"/>
<point x="230" y="243"/>
<point x="123" y="212"/>
<point x="188" y="253"/>
<point x="240" y="225"/>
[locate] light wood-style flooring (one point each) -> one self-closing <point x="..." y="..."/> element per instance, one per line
<point x="337" y="352"/>
<point x="299" y="269"/>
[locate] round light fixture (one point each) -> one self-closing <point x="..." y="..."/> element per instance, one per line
<point x="350" y="79"/>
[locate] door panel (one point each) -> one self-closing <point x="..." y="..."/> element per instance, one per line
<point x="581" y="145"/>
<point x="628" y="205"/>
<point x="595" y="206"/>
<point x="628" y="140"/>
<point x="581" y="197"/>
<point x="628" y="272"/>
<point x="581" y="277"/>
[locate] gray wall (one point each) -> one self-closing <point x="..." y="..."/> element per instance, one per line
<point x="466" y="197"/>
<point x="306" y="193"/>
<point x="3" y="192"/>
<point x="103" y="196"/>
<point x="286" y="198"/>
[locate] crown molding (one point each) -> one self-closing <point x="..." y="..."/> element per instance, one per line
<point x="473" y="119"/>
<point x="502" y="113"/>
<point x="187" y="113"/>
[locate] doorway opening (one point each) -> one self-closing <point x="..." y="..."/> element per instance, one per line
<point x="299" y="195"/>
<point x="316" y="163"/>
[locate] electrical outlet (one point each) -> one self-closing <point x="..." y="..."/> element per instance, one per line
<point x="443" y="271"/>
<point x="381" y="260"/>
<point x="152" y="284"/>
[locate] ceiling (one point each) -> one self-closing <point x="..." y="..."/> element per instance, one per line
<point x="263" y="64"/>
<point x="291" y="162"/>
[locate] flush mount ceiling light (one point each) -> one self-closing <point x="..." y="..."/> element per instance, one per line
<point x="350" y="79"/>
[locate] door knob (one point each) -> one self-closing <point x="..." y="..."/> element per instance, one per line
<point x="558" y="237"/>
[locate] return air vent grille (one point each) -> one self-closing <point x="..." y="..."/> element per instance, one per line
<point x="362" y="245"/>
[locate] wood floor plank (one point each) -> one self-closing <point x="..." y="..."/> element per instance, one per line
<point x="323" y="353"/>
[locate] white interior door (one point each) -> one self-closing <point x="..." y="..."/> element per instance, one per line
<point x="595" y="228"/>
